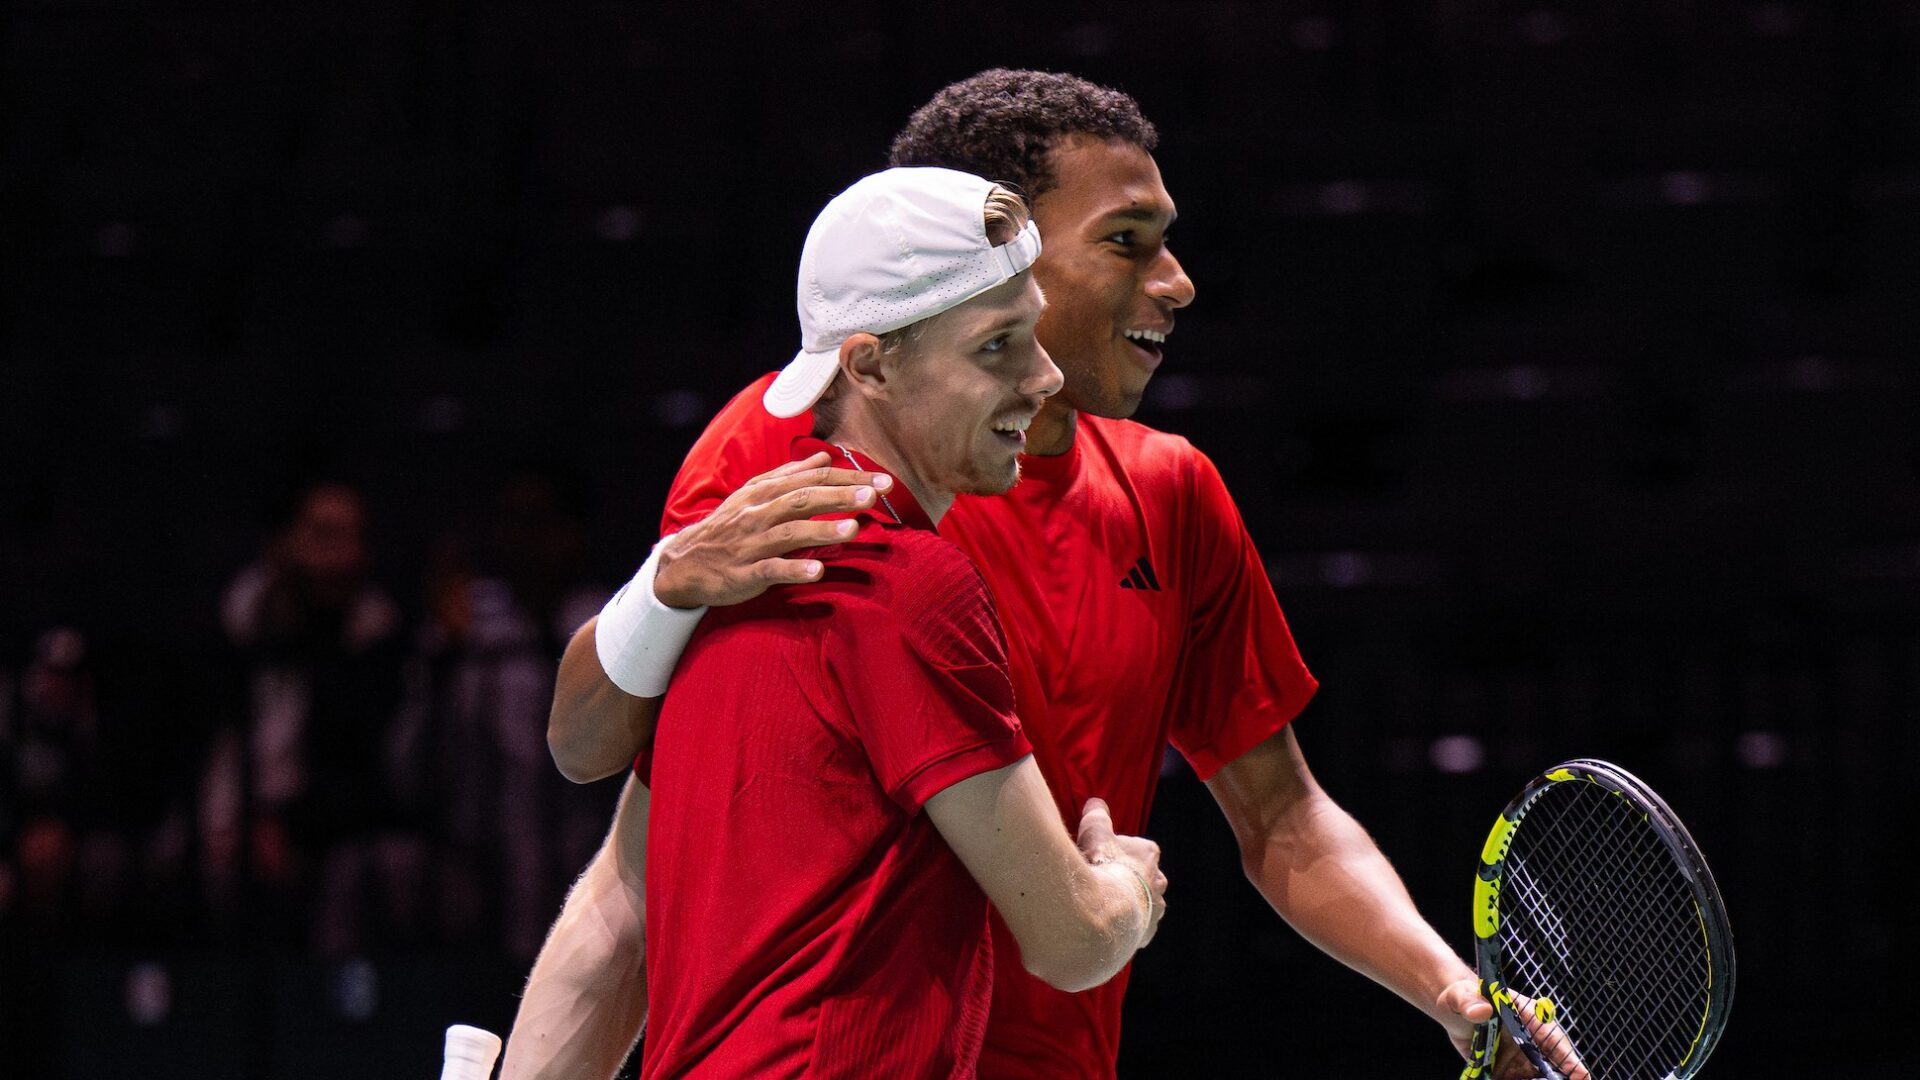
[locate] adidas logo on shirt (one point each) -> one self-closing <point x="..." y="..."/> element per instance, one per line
<point x="1141" y="576"/>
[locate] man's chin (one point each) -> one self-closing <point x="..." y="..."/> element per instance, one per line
<point x="991" y="481"/>
<point x="1117" y="404"/>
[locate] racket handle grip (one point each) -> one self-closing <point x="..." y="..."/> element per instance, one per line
<point x="470" y="1053"/>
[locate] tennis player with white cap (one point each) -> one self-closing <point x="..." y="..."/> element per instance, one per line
<point x="847" y="289"/>
<point x="1135" y="604"/>
<point x="804" y="913"/>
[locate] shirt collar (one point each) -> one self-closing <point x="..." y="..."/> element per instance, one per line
<point x="896" y="505"/>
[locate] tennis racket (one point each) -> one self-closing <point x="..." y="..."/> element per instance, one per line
<point x="1600" y="936"/>
<point x="470" y="1053"/>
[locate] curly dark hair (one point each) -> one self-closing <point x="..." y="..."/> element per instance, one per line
<point x="1001" y="124"/>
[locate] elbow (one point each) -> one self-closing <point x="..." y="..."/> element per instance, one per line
<point x="1066" y="978"/>
<point x="1253" y="863"/>
<point x="579" y="763"/>
<point x="1087" y="943"/>
<point x="1080" y="961"/>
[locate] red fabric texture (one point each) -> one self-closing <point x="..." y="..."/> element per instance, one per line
<point x="1191" y="651"/>
<point x="804" y="918"/>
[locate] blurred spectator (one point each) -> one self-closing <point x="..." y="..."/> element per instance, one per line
<point x="51" y="730"/>
<point x="479" y="686"/>
<point x="89" y="803"/>
<point x="304" y="817"/>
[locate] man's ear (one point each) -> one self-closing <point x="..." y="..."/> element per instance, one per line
<point x="863" y="363"/>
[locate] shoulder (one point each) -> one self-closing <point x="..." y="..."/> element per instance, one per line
<point x="749" y="397"/>
<point x="1137" y="441"/>
<point x="742" y="441"/>
<point x="743" y="415"/>
<point x="909" y="582"/>
<point x="1152" y="458"/>
<point x="914" y="572"/>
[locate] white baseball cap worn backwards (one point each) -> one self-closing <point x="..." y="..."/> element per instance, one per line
<point x="898" y="246"/>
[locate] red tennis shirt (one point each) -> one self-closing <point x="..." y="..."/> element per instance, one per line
<point x="804" y="918"/>
<point x="1137" y="613"/>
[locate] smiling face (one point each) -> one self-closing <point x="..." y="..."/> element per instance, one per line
<point x="960" y="397"/>
<point x="1112" y="285"/>
<point x="948" y="411"/>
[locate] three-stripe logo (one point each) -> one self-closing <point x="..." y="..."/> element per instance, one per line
<point x="1141" y="576"/>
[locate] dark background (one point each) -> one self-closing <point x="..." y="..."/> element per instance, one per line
<point x="1562" y="359"/>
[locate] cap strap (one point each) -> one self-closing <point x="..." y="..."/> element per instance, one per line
<point x="1018" y="253"/>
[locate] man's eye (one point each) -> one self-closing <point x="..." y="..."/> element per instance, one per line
<point x="995" y="345"/>
<point x="1121" y="237"/>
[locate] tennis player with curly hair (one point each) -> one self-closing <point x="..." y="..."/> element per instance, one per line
<point x="1136" y="607"/>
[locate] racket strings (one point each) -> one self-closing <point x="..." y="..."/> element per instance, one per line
<point x="1572" y="926"/>
<point x="1576" y="924"/>
<point x="1596" y="915"/>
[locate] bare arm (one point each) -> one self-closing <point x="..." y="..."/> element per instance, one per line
<point x="1323" y="874"/>
<point x="586" y="1000"/>
<point x="595" y="728"/>
<point x="1078" y="912"/>
<point x="734" y="554"/>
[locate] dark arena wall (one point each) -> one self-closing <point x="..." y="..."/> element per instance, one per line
<point x="1561" y="359"/>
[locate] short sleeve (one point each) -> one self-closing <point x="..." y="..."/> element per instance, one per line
<point x="1242" y="678"/>
<point x="740" y="443"/>
<point x="923" y="668"/>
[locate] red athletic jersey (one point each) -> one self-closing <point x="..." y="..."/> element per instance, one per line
<point x="804" y="918"/>
<point x="1137" y="612"/>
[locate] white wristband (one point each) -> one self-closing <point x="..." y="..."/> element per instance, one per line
<point x="639" y="639"/>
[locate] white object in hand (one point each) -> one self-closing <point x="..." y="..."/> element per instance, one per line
<point x="470" y="1053"/>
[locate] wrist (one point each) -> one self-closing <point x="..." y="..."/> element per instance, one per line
<point x="1444" y="1001"/>
<point x="664" y="559"/>
<point x="639" y="638"/>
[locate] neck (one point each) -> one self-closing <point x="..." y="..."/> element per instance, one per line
<point x="1051" y="433"/>
<point x="875" y="450"/>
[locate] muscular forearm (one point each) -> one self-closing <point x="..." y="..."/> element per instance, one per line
<point x="1323" y="874"/>
<point x="586" y="1000"/>
<point x="595" y="728"/>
